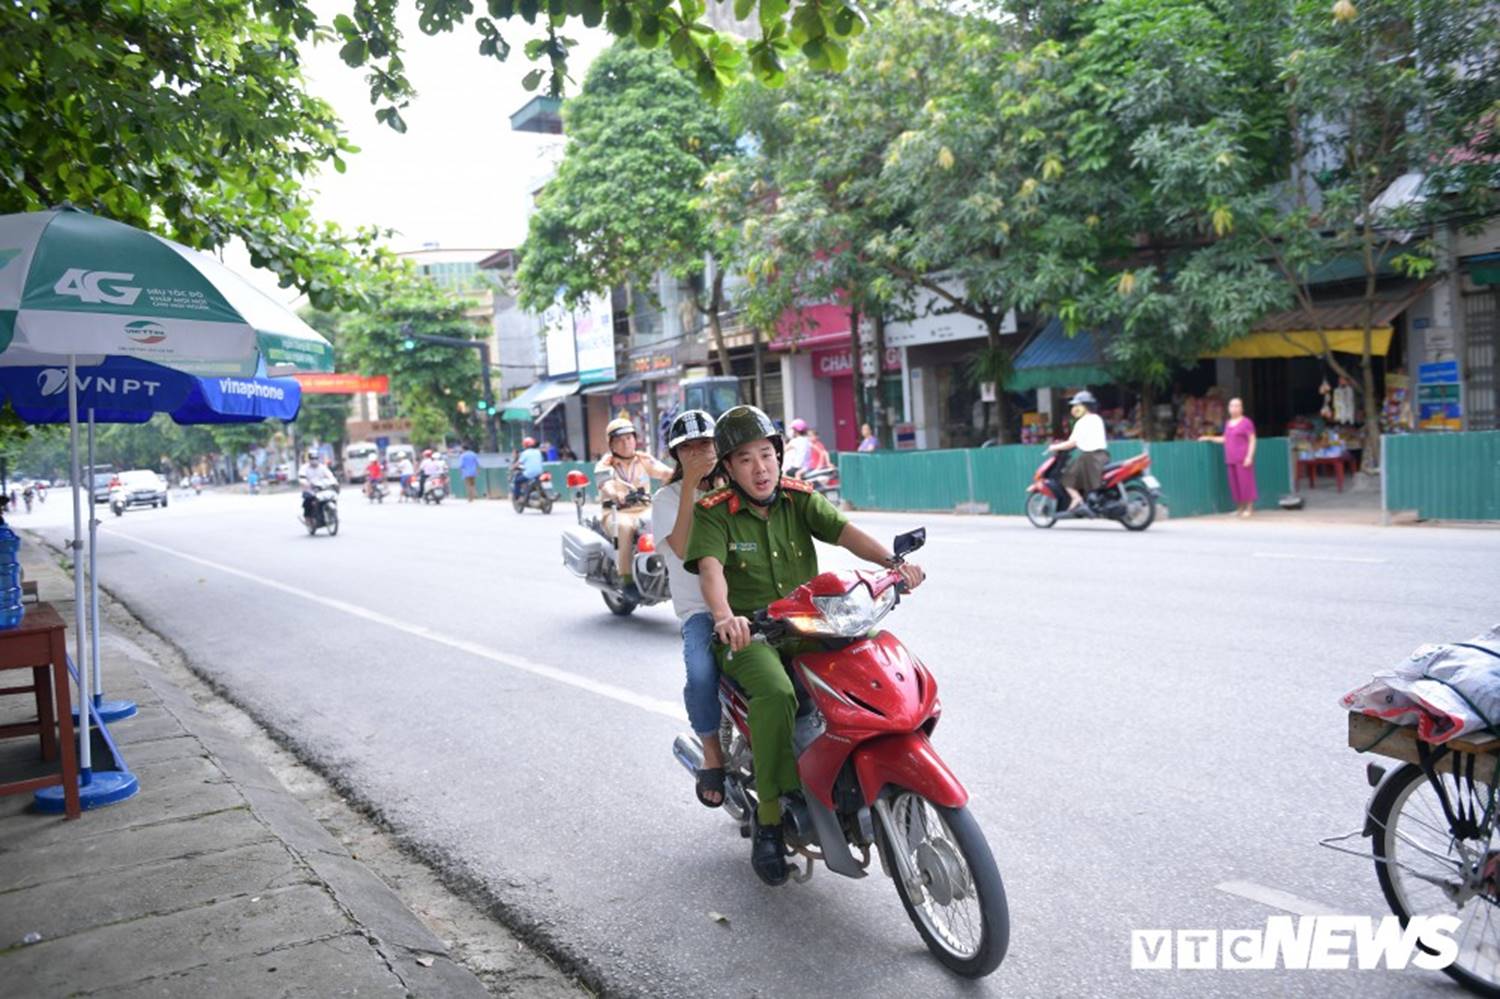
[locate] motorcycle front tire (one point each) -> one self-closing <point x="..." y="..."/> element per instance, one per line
<point x="1041" y="510"/>
<point x="546" y="504"/>
<point x="969" y="839"/>
<point x="118" y="511"/>
<point x="331" y="521"/>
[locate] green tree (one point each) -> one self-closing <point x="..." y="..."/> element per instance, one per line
<point x="188" y="119"/>
<point x="426" y="379"/>
<point x="625" y="201"/>
<point x="1376" y="93"/>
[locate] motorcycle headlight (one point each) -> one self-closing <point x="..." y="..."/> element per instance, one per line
<point x="847" y="615"/>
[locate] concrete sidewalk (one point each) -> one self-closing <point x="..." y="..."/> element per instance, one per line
<point x="214" y="880"/>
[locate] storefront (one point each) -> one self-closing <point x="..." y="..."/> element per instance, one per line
<point x="837" y="368"/>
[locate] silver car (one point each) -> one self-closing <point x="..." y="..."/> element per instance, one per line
<point x="138" y="487"/>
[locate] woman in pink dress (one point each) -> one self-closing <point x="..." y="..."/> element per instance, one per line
<point x="1239" y="457"/>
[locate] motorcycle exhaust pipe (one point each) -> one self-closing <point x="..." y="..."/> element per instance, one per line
<point x="689" y="753"/>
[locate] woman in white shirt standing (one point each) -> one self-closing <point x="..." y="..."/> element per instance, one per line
<point x="690" y="442"/>
<point x="1087" y="470"/>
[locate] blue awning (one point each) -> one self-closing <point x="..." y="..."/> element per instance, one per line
<point x="1054" y="358"/>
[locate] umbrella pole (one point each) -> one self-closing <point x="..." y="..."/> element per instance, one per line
<point x="85" y="740"/>
<point x="108" y="786"/>
<point x="106" y="711"/>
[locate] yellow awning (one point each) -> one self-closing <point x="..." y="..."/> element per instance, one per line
<point x="1306" y="343"/>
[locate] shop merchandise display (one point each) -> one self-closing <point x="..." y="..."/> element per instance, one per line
<point x="1396" y="415"/>
<point x="1314" y="437"/>
<point x="1199" y="416"/>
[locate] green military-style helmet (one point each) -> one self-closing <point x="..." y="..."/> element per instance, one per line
<point x="741" y="425"/>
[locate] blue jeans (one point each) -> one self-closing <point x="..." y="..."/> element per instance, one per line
<point x="701" y="694"/>
<point x="519" y="483"/>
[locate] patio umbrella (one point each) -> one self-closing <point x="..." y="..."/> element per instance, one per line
<point x="79" y="289"/>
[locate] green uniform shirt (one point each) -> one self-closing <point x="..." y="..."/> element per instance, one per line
<point x="764" y="559"/>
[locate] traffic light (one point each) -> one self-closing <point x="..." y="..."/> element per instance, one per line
<point x="408" y="344"/>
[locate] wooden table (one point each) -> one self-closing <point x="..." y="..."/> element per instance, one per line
<point x="40" y="644"/>
<point x="1336" y="465"/>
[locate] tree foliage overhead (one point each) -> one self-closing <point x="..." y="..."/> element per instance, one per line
<point x="188" y="119"/>
<point x="622" y="205"/>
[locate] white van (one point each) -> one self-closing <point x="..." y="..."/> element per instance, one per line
<point x="356" y="458"/>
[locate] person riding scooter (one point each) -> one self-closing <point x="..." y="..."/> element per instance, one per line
<point x="752" y="544"/>
<point x="527" y="468"/>
<point x="430" y="468"/>
<point x="622" y="476"/>
<point x="313" y="475"/>
<point x="1086" y="472"/>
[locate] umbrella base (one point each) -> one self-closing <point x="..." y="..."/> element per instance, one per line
<point x="105" y="787"/>
<point x="109" y="711"/>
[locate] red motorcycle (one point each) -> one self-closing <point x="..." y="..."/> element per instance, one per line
<point x="870" y="775"/>
<point x="1127" y="493"/>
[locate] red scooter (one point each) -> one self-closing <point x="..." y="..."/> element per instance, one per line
<point x="1127" y="493"/>
<point x="870" y="776"/>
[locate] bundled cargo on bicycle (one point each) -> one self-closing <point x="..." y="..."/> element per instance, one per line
<point x="1432" y="820"/>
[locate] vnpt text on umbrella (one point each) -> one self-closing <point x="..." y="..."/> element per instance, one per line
<point x="54" y="381"/>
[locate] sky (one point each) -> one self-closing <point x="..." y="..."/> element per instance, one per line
<point x="459" y="176"/>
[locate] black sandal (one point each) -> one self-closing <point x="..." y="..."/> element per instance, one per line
<point x="710" y="779"/>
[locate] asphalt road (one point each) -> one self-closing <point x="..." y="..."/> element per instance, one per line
<point x="1142" y="720"/>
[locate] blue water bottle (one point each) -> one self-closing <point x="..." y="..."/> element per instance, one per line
<point x="11" y="608"/>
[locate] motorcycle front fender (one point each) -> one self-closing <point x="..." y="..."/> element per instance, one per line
<point x="907" y="760"/>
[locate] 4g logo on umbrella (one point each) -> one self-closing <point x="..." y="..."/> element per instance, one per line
<point x="89" y="286"/>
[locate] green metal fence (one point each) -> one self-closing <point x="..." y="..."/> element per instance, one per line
<point x="1443" y="476"/>
<point x="1192" y="476"/>
<point x="494" y="481"/>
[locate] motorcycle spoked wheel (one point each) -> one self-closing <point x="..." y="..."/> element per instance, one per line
<point x="1041" y="510"/>
<point x="1140" y="508"/>
<point x="959" y="908"/>
<point x="331" y="521"/>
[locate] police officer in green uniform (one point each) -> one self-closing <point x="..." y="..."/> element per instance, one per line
<point x="752" y="544"/>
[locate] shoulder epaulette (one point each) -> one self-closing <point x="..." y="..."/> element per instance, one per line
<point x="796" y="485"/>
<point x="716" y="497"/>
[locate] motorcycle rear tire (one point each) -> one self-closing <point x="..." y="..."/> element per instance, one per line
<point x="994" y="910"/>
<point x="1139" y="493"/>
<point x="618" y="606"/>
<point x="118" y="511"/>
<point x="311" y="525"/>
<point x="1041" y="510"/>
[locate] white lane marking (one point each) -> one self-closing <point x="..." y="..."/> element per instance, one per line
<point x="669" y="709"/>
<point x="1276" y="898"/>
<point x="1321" y="558"/>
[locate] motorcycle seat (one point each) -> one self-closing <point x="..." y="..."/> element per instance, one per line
<point x="804" y="699"/>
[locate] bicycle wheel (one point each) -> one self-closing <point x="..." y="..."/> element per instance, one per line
<point x="1424" y="870"/>
<point x="959" y="904"/>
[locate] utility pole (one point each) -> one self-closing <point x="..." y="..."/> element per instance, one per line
<point x="488" y="403"/>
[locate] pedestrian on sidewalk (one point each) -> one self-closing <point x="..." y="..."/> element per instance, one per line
<point x="867" y="439"/>
<point x="468" y="465"/>
<point x="1238" y="439"/>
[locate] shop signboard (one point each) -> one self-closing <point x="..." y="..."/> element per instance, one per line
<point x="839" y="363"/>
<point x="557" y="333"/>
<point x="338" y="383"/>
<point x="905" y="436"/>
<point x="940" y="328"/>
<point x="594" y="335"/>
<point x="654" y="363"/>
<point x="1439" y="398"/>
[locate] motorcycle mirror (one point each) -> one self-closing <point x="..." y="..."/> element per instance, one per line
<point x="909" y="542"/>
